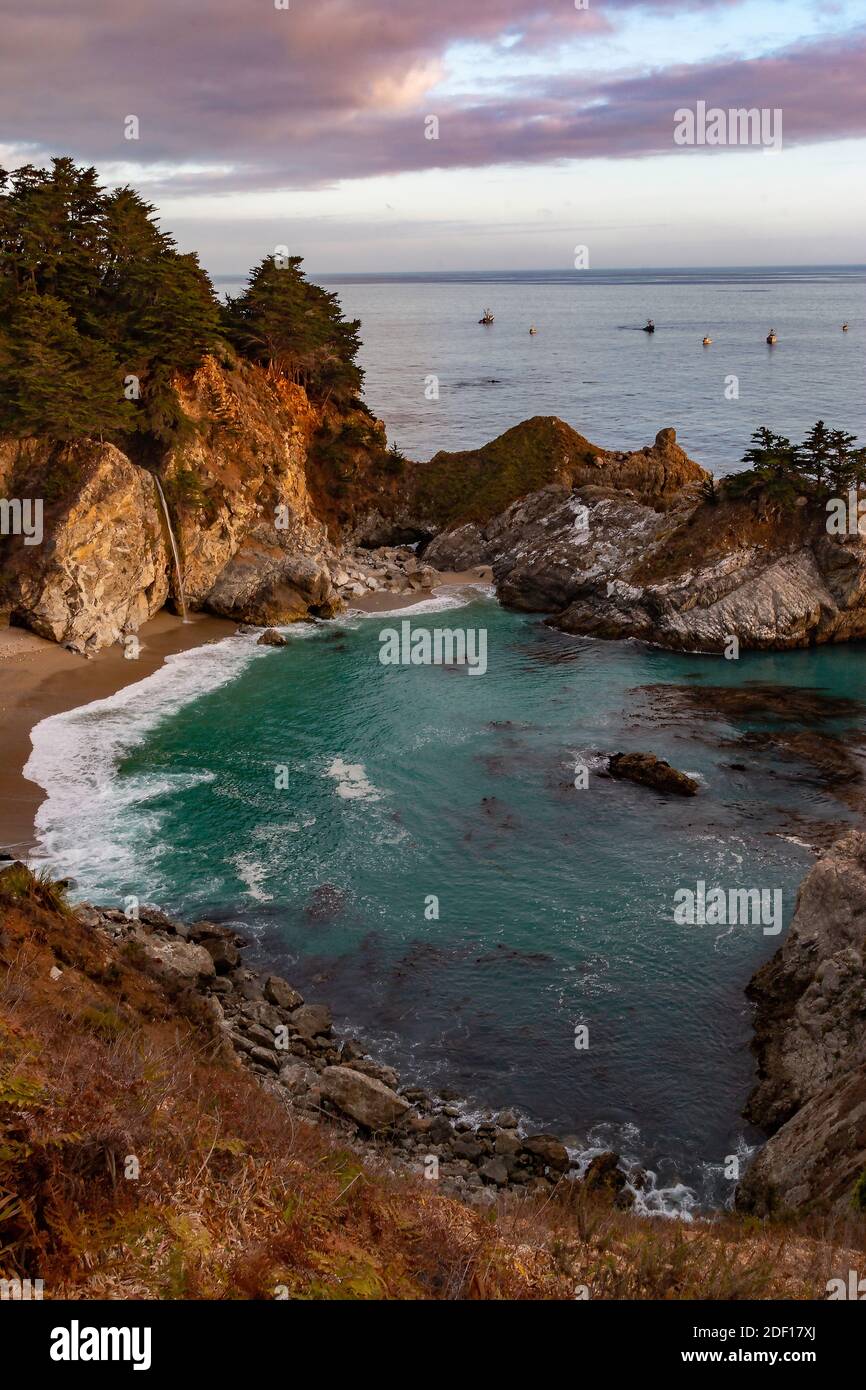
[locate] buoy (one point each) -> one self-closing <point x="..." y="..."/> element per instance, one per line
<point x="707" y="342"/>
<point x="771" y="336"/>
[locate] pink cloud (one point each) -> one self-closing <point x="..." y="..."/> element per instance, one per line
<point x="338" y="88"/>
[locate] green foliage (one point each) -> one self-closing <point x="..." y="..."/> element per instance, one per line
<point x="826" y="463"/>
<point x="18" y="884"/>
<point x="395" y="460"/>
<point x="92" y="292"/>
<point x="297" y="329"/>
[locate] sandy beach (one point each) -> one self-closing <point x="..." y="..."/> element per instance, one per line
<point x="39" y="678"/>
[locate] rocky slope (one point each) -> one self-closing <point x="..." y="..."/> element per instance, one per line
<point x="144" y="1159"/>
<point x="631" y="548"/>
<point x="810" y="1042"/>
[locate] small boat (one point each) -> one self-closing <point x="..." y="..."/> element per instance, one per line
<point x="487" y="317"/>
<point x="533" y="330"/>
<point x="649" y="326"/>
<point x="707" y="342"/>
<point x="844" y="328"/>
<point x="771" y="337"/>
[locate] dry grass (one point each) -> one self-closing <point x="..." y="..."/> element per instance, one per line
<point x="138" y="1161"/>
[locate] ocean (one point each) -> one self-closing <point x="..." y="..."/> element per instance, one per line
<point x="323" y="802"/>
<point x="591" y="364"/>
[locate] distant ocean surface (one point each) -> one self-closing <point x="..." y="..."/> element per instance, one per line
<point x="591" y="365"/>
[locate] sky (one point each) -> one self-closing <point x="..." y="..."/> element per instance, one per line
<point x="307" y="123"/>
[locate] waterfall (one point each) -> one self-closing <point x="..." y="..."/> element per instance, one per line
<point x="180" y="591"/>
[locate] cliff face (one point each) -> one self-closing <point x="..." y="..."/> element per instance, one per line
<point x="102" y="568"/>
<point x="810" y="1042"/>
<point x="632" y="549"/>
<point x="252" y="541"/>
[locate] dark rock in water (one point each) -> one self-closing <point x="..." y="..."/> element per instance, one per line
<point x="549" y="1150"/>
<point x="650" y="771"/>
<point x="757" y="702"/>
<point x="604" y="1174"/>
<point x="271" y="638"/>
<point x="324" y="902"/>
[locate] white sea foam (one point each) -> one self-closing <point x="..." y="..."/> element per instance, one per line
<point x="252" y="873"/>
<point x="352" y="781"/>
<point x="92" y="823"/>
<point x="445" y="597"/>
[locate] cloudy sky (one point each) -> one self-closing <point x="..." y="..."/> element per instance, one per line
<point x="307" y="126"/>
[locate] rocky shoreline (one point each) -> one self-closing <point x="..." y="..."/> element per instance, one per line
<point x="260" y="1021"/>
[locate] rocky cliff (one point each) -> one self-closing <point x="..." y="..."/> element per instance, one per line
<point x="616" y="545"/>
<point x="244" y="490"/>
<point x="810" y="1043"/>
<point x="270" y="495"/>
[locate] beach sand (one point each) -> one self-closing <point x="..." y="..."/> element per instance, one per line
<point x="38" y="678"/>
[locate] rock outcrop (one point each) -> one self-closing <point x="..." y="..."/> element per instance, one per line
<point x="810" y="1042"/>
<point x="102" y="567"/>
<point x="649" y="771"/>
<point x="244" y="494"/>
<point x="632" y="548"/>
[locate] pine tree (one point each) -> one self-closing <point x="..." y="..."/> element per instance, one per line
<point x="59" y="384"/>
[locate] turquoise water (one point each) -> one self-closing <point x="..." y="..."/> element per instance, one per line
<point x="398" y="783"/>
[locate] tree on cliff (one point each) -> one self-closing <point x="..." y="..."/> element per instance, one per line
<point x="120" y="302"/>
<point x="57" y="382"/>
<point x="826" y="463"/>
<point x="297" y="329"/>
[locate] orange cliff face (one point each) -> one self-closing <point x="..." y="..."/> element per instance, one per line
<point x="246" y="499"/>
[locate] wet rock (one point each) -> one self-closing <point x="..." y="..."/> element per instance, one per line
<point x="650" y="771"/>
<point x="271" y="638"/>
<point x="604" y="1174"/>
<point x="549" y="1151"/>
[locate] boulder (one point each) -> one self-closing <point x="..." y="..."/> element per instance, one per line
<point x="363" y="1098"/>
<point x="278" y="991"/>
<point x="224" y="954"/>
<point x="494" y="1171"/>
<point x="311" y="1019"/>
<point x="548" y="1151"/>
<point x="604" y="1174"/>
<point x="271" y="638"/>
<point x="176" y="961"/>
<point x="649" y="771"/>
